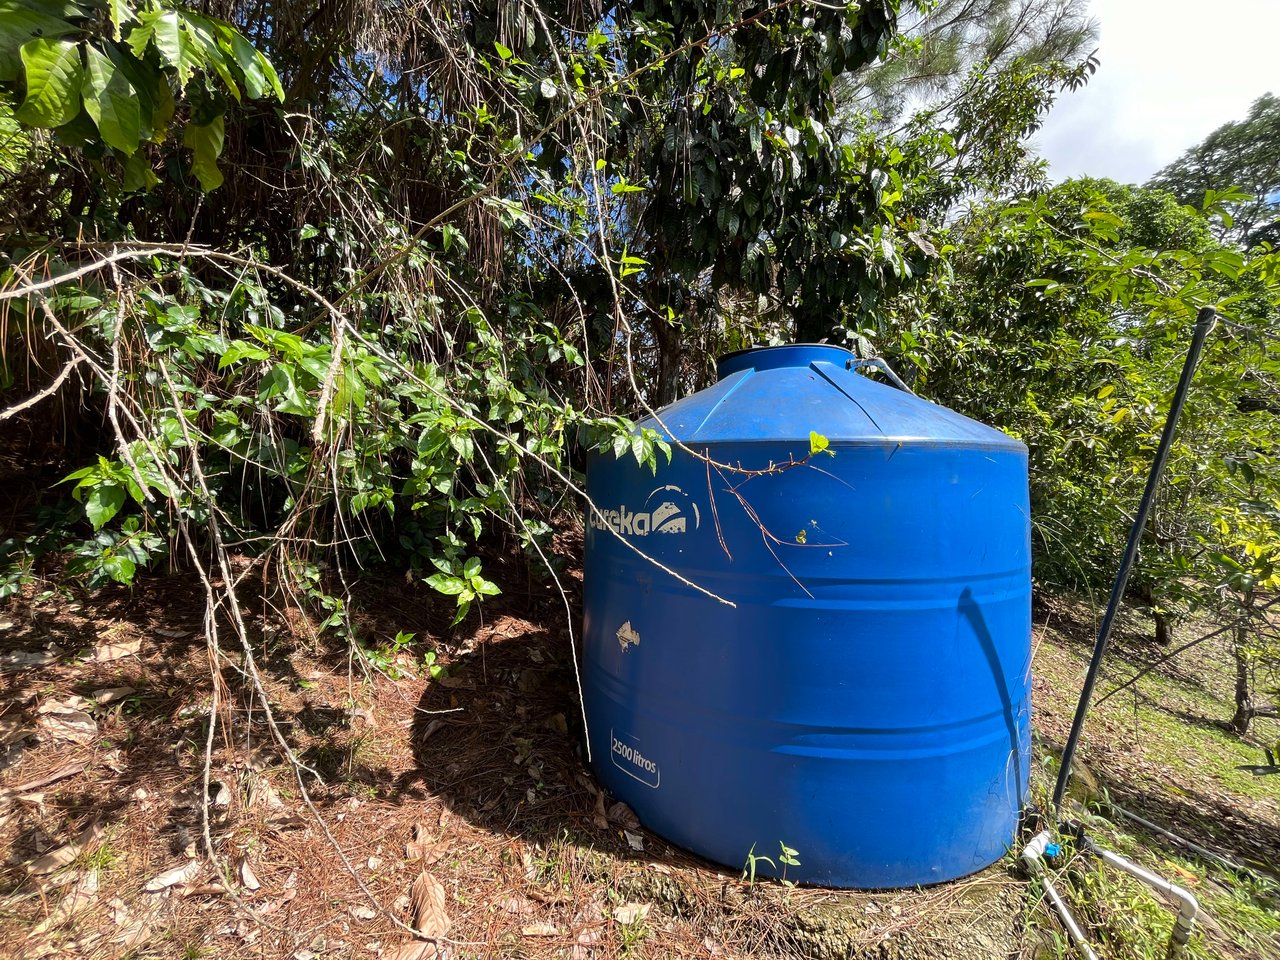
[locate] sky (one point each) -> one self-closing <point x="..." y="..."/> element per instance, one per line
<point x="1171" y="72"/>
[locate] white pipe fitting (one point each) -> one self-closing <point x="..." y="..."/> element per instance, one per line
<point x="1188" y="906"/>
<point x="1031" y="856"/>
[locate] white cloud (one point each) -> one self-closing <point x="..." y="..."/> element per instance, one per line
<point x="1171" y="72"/>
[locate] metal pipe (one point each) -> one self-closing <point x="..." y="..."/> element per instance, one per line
<point x="1188" y="906"/>
<point x="1031" y="857"/>
<point x="1204" y="323"/>
<point x="1194" y="847"/>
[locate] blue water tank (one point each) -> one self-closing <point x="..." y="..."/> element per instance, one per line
<point x="837" y="656"/>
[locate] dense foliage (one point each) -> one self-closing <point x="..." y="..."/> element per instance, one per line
<point x="332" y="286"/>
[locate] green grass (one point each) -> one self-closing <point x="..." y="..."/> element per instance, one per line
<point x="1152" y="742"/>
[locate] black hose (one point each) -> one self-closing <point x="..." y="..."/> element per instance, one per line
<point x="1204" y="323"/>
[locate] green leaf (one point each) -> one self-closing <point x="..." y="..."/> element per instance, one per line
<point x="239" y="350"/>
<point x="548" y="88"/>
<point x="205" y="143"/>
<point x="260" y="77"/>
<point x="102" y="503"/>
<point x="164" y="30"/>
<point x="165" y="106"/>
<point x="202" y="36"/>
<point x="446" y="583"/>
<point x="109" y="98"/>
<point x="503" y="51"/>
<point x="138" y="174"/>
<point x="121" y="13"/>
<point x="485" y="588"/>
<point x="817" y="443"/>
<point x="471" y="567"/>
<point x="18" y="24"/>
<point x="54" y="76"/>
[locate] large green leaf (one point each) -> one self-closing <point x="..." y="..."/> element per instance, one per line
<point x="102" y="503"/>
<point x="110" y="99"/>
<point x="205" y="143"/>
<point x="121" y="13"/>
<point x="164" y="29"/>
<point x="54" y="76"/>
<point x="138" y="174"/>
<point x="202" y="34"/>
<point x="260" y="76"/>
<point x="20" y="23"/>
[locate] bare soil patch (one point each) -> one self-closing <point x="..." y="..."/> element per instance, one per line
<point x="459" y="805"/>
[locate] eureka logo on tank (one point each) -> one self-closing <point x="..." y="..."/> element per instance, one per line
<point x="667" y="510"/>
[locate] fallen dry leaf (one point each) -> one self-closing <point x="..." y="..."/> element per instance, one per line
<point x="630" y="912"/>
<point x="116" y="650"/>
<point x="275" y="905"/>
<point x="599" y="818"/>
<point x="412" y="950"/>
<point x="634" y="840"/>
<point x="517" y="906"/>
<point x="541" y="930"/>
<point x="421" y="846"/>
<point x="204" y="890"/>
<point x="248" y="877"/>
<point x="63" y="855"/>
<point x="429" y="915"/>
<point x="62" y="720"/>
<point x="623" y="816"/>
<point x="12" y="729"/>
<point x="363" y="912"/>
<point x="172" y="634"/>
<point x="17" y="660"/>
<point x="112" y="694"/>
<point x="80" y="896"/>
<point x="171" y="878"/>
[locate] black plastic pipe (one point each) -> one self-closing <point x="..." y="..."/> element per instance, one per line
<point x="1205" y="320"/>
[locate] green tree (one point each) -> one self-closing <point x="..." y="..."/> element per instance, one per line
<point x="933" y="57"/>
<point x="1062" y="319"/>
<point x="1243" y="154"/>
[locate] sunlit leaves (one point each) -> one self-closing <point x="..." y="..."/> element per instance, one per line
<point x="117" y="72"/>
<point x="53" y="74"/>
<point x="109" y="98"/>
<point x="19" y="23"/>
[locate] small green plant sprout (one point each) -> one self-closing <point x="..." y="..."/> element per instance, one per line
<point x="790" y="857"/>
<point x="819" y="444"/>
<point x="753" y="861"/>
<point x="433" y="669"/>
<point x="465" y="584"/>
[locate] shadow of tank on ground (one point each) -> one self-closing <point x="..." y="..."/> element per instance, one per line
<point x="499" y="739"/>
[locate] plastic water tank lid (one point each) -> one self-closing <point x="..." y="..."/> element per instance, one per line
<point x="787" y="355"/>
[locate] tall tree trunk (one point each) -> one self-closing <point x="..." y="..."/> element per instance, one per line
<point x="1240" y="637"/>
<point x="670" y="360"/>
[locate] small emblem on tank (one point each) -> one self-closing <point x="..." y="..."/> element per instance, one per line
<point x="627" y="636"/>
